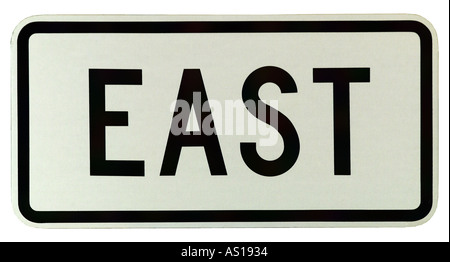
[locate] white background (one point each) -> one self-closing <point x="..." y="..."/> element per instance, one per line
<point x="12" y="229"/>
<point x="385" y="132"/>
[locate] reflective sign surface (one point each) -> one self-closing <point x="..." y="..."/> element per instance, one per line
<point x="224" y="121"/>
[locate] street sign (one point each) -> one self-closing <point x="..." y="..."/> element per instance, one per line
<point x="240" y="121"/>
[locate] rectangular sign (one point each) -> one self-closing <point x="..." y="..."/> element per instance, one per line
<point x="148" y="121"/>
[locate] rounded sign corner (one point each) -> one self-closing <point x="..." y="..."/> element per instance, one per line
<point x="26" y="215"/>
<point x="426" y="213"/>
<point x="424" y="27"/>
<point x="22" y="25"/>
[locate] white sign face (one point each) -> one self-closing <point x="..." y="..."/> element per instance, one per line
<point x="224" y="121"/>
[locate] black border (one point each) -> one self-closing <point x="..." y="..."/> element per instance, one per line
<point x="426" y="150"/>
